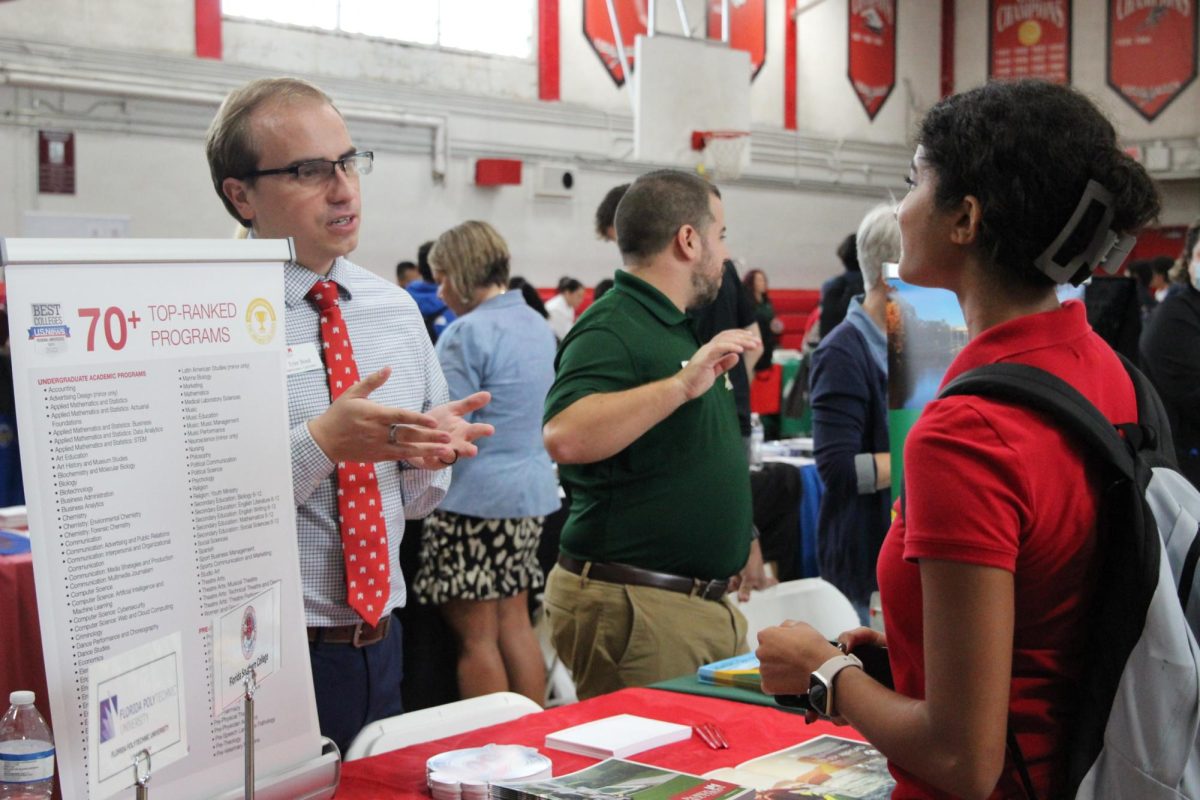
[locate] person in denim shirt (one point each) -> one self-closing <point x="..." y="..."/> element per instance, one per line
<point x="479" y="549"/>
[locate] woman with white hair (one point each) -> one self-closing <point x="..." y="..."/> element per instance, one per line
<point x="849" y="405"/>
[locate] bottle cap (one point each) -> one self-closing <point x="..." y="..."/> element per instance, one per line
<point x="21" y="698"/>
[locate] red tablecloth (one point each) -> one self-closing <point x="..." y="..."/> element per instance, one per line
<point x="752" y="731"/>
<point x="21" y="665"/>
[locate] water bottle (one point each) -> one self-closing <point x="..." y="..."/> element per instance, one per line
<point x="756" y="441"/>
<point x="26" y="751"/>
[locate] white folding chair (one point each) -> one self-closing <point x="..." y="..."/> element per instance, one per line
<point x="811" y="600"/>
<point x="437" y="722"/>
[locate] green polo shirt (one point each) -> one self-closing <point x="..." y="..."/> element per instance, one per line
<point x="677" y="500"/>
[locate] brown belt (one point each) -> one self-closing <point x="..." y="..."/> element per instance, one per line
<point x="359" y="635"/>
<point x="636" y="576"/>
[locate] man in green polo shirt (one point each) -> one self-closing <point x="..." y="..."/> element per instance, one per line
<point x="642" y="424"/>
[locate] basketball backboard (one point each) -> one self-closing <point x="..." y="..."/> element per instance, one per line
<point x="682" y="85"/>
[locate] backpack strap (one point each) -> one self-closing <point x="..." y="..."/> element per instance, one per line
<point x="1037" y="389"/>
<point x="1152" y="416"/>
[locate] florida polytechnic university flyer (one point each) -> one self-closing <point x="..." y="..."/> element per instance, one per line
<point x="151" y="401"/>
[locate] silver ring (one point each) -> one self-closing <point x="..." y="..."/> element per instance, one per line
<point x="392" y="432"/>
<point x="449" y="463"/>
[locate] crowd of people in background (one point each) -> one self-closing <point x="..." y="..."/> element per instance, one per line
<point x="642" y="401"/>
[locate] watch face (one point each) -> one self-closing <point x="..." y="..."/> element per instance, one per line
<point x="818" y="696"/>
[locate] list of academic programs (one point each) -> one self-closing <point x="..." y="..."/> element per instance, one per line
<point x="153" y="425"/>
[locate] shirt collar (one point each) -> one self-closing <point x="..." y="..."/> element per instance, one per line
<point x="503" y="300"/>
<point x="876" y="339"/>
<point x="652" y="299"/>
<point x="298" y="279"/>
<point x="1006" y="341"/>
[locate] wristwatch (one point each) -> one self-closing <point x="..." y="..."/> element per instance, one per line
<point x="820" y="683"/>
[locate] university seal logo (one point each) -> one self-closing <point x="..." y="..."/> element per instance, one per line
<point x="261" y="321"/>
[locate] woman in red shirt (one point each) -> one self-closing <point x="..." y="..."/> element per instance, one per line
<point x="987" y="572"/>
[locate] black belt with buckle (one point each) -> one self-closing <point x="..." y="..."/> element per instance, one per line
<point x="359" y="635"/>
<point x="636" y="576"/>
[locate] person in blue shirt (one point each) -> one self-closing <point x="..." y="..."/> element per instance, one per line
<point x="850" y="435"/>
<point x="434" y="311"/>
<point x="479" y="548"/>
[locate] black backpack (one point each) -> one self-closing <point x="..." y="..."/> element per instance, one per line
<point x="1138" y="730"/>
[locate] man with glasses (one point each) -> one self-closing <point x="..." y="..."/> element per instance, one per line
<point x="283" y="163"/>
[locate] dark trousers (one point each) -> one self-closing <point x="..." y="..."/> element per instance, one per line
<point x="356" y="686"/>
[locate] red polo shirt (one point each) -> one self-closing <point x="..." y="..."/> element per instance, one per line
<point x="993" y="484"/>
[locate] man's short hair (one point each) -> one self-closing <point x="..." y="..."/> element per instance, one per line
<point x="423" y="261"/>
<point x="403" y="267"/>
<point x="656" y="206"/>
<point x="471" y="256"/>
<point x="229" y="145"/>
<point x="877" y="241"/>
<point x="606" y="212"/>
<point x="568" y="284"/>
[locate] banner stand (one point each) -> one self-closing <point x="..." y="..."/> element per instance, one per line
<point x="250" y="681"/>
<point x="141" y="779"/>
<point x="316" y="779"/>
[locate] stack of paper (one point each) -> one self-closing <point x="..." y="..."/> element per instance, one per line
<point x="617" y="737"/>
<point x="14" y="517"/>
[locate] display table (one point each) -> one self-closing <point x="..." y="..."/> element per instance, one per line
<point x="21" y="665"/>
<point x="752" y="731"/>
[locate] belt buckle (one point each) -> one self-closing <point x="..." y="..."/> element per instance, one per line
<point x="357" y="641"/>
<point x="703" y="589"/>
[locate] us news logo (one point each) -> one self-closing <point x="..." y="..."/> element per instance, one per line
<point x="49" y="333"/>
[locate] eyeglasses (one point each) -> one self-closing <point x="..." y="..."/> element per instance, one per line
<point x="320" y="170"/>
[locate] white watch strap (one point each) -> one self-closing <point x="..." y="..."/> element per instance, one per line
<point x="829" y="671"/>
<point x="833" y="666"/>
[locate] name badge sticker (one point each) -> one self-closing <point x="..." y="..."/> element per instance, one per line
<point x="303" y="358"/>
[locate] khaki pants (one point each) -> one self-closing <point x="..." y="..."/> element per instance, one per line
<point x="613" y="635"/>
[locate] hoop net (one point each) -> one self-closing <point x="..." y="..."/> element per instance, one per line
<point x="723" y="152"/>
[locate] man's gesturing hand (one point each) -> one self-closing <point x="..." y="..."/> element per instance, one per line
<point x="450" y="420"/>
<point x="715" y="359"/>
<point x="355" y="428"/>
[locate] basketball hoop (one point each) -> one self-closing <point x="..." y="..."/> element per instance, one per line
<point x="723" y="152"/>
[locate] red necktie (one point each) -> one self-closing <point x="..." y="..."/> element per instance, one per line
<point x="360" y="509"/>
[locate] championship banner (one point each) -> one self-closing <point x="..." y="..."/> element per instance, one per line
<point x="1029" y="39"/>
<point x="872" y="52"/>
<point x="747" y="29"/>
<point x="598" y="30"/>
<point x="1151" y="51"/>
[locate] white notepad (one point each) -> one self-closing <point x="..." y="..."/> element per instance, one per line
<point x="617" y="737"/>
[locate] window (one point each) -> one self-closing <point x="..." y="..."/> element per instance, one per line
<point x="498" y="27"/>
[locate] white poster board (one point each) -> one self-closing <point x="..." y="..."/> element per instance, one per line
<point x="151" y="404"/>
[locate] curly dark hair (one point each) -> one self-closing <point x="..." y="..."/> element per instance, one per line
<point x="1026" y="150"/>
